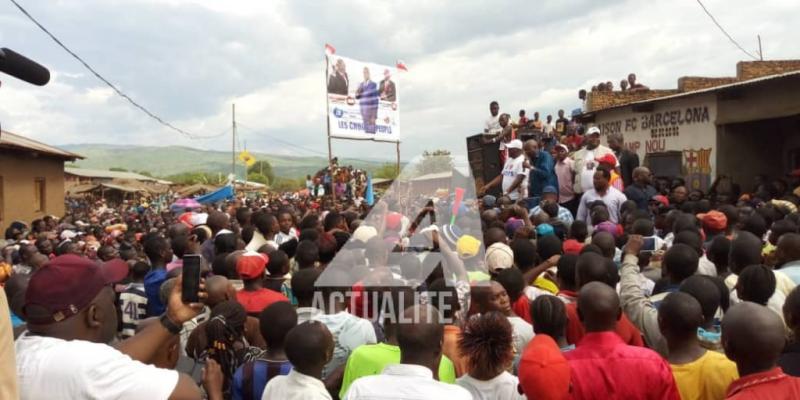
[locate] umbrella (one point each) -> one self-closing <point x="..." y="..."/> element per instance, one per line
<point x="183" y="204"/>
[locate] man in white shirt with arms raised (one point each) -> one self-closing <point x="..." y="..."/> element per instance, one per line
<point x="513" y="175"/>
<point x="419" y="334"/>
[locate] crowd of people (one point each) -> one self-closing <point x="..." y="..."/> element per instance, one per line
<point x="582" y="279"/>
<point x="343" y="181"/>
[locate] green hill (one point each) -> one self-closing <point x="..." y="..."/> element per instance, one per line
<point x="170" y="160"/>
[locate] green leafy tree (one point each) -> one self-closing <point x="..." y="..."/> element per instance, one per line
<point x="191" y="178"/>
<point x="386" y="171"/>
<point x="262" y="167"/>
<point x="258" y="178"/>
<point x="287" y="184"/>
<point x="435" y="162"/>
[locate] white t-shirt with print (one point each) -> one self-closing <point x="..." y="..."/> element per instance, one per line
<point x="587" y="174"/>
<point x="51" y="368"/>
<point x="513" y="168"/>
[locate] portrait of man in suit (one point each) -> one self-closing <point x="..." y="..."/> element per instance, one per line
<point x="367" y="96"/>
<point x="386" y="89"/>
<point x="338" y="81"/>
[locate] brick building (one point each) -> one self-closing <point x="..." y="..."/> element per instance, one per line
<point x="31" y="179"/>
<point x="737" y="126"/>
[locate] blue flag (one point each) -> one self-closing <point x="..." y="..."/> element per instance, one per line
<point x="369" y="195"/>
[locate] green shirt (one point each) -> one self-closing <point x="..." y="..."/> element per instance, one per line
<point x="371" y="359"/>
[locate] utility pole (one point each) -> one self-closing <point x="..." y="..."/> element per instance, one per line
<point x="233" y="145"/>
<point x="760" y="54"/>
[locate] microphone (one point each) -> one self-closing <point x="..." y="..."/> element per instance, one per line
<point x="21" y="67"/>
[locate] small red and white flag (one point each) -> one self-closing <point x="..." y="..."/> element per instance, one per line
<point x="329" y="50"/>
<point x="401" y="65"/>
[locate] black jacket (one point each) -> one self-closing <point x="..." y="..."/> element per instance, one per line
<point x="628" y="161"/>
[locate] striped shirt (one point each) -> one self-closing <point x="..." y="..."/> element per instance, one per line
<point x="133" y="304"/>
<point x="251" y="378"/>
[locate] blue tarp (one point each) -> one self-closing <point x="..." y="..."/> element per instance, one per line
<point x="223" y="193"/>
<point x="370" y="194"/>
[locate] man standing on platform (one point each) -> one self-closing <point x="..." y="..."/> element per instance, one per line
<point x="513" y="174"/>
<point x="585" y="161"/>
<point x="540" y="171"/>
<point x="628" y="160"/>
<point x="565" y="175"/>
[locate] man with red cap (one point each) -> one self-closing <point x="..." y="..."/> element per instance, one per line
<point x="254" y="297"/>
<point x="69" y="307"/>
<point x="715" y="223"/>
<point x="610" y="161"/>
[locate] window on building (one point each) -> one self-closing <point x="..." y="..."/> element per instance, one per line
<point x="39" y="195"/>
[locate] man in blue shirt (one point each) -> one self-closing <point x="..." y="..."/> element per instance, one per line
<point x="158" y="250"/>
<point x="550" y="195"/>
<point x="641" y="191"/>
<point x="541" y="171"/>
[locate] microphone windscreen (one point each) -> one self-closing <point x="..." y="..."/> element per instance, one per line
<point x="21" y="67"/>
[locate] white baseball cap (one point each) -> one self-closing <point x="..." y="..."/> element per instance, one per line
<point x="514" y="144"/>
<point x="593" y="130"/>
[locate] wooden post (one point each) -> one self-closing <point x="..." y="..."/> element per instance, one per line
<point x="233" y="145"/>
<point x="328" y="120"/>
<point x="398" y="158"/>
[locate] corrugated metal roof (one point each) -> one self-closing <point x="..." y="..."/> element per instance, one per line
<point x="12" y="140"/>
<point x="99" y="173"/>
<point x="703" y="91"/>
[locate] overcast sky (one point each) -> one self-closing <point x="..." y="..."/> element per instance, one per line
<point x="189" y="60"/>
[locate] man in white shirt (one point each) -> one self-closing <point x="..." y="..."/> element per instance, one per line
<point x="71" y="316"/>
<point x="604" y="192"/>
<point x="419" y="334"/>
<point x="514" y="173"/>
<point x="492" y="125"/>
<point x="348" y="330"/>
<point x="309" y="347"/>
<point x="585" y="160"/>
<point x="266" y="228"/>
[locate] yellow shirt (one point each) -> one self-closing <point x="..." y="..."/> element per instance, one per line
<point x="706" y="378"/>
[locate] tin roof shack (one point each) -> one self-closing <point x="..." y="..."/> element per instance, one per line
<point x="738" y="127"/>
<point x="31" y="179"/>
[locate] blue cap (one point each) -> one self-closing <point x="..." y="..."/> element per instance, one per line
<point x="549" y="189"/>
<point x="545" y="229"/>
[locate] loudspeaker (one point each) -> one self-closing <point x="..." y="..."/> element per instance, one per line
<point x="484" y="161"/>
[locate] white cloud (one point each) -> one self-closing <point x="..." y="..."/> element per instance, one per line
<point x="188" y="60"/>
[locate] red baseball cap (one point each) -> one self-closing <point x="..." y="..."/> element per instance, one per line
<point x="572" y="246"/>
<point x="543" y="371"/>
<point x="607" y="159"/>
<point x="66" y="285"/>
<point x="251" y="265"/>
<point x="714" y="220"/>
<point x="661" y="199"/>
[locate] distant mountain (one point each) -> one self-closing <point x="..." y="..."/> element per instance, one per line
<point x="169" y="160"/>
